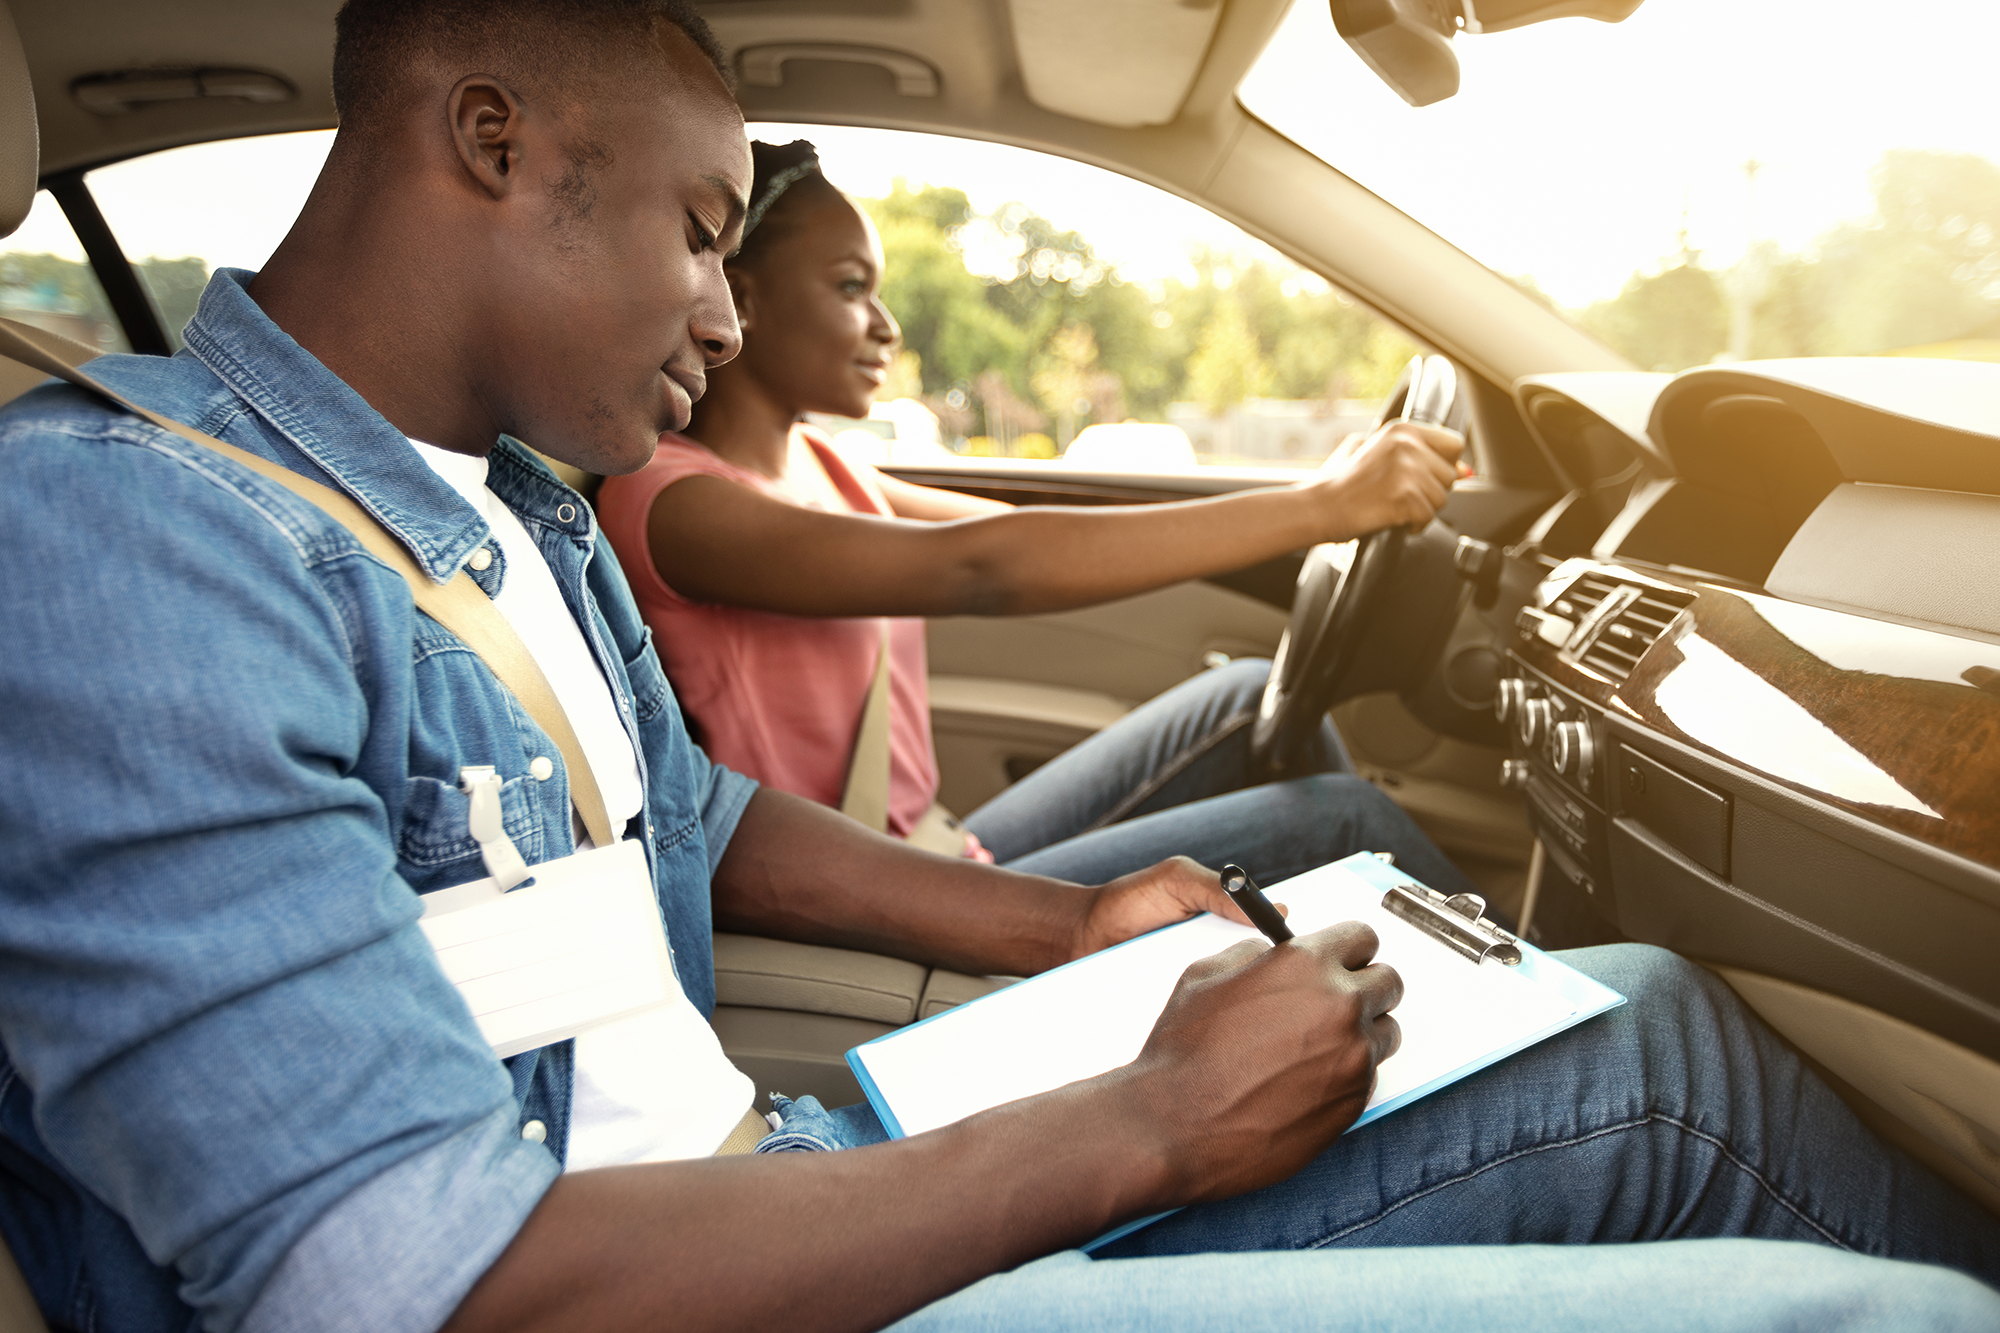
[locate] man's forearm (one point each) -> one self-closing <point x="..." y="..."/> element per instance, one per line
<point x="848" y="1240"/>
<point x="799" y="871"/>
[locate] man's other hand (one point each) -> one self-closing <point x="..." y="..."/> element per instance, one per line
<point x="1263" y="1056"/>
<point x="1144" y="900"/>
<point x="1398" y="475"/>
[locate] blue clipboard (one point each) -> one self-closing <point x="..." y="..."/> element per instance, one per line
<point x="1583" y="996"/>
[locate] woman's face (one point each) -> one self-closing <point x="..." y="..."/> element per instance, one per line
<point x="816" y="336"/>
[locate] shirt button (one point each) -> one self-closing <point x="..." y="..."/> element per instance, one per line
<point x="566" y="512"/>
<point x="535" y="1132"/>
<point x="539" y="768"/>
<point x="482" y="560"/>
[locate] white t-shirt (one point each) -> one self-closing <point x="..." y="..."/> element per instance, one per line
<point x="655" y="1086"/>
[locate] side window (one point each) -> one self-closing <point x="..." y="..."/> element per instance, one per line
<point x="181" y="214"/>
<point x="1056" y="311"/>
<point x="46" y="281"/>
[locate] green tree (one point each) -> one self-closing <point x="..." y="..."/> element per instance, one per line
<point x="1925" y="267"/>
<point x="1665" y="321"/>
<point x="942" y="307"/>
<point x="175" y="286"/>
<point x="60" y="293"/>
<point x="1228" y="366"/>
<point x="1006" y="355"/>
<point x="1066" y="377"/>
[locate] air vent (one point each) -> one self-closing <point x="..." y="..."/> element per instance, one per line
<point x="1580" y="601"/>
<point x="1632" y="619"/>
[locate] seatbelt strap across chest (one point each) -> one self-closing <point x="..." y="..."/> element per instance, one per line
<point x="866" y="798"/>
<point x="458" y="604"/>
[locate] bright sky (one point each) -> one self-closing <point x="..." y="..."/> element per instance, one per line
<point x="1570" y="154"/>
<point x="194" y="201"/>
<point x="1573" y="147"/>
<point x="1145" y="232"/>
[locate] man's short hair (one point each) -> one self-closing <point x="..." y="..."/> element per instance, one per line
<point x="539" y="47"/>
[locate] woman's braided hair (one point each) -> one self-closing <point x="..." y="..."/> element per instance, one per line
<point x="776" y="169"/>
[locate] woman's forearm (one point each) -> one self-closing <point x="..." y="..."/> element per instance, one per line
<point x="1055" y="558"/>
<point x="715" y="541"/>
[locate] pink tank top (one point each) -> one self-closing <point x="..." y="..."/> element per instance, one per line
<point x="777" y="697"/>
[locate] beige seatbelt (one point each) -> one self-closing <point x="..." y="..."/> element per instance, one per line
<point x="750" y="1131"/>
<point x="18" y="1311"/>
<point x="866" y="798"/>
<point x="458" y="605"/>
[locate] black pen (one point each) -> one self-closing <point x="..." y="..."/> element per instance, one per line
<point x="1243" y="891"/>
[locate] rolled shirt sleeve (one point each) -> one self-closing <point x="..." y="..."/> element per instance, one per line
<point x="723" y="794"/>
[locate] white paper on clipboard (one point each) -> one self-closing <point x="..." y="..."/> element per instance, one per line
<point x="1093" y="1015"/>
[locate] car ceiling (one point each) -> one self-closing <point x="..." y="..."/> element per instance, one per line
<point x="1143" y="87"/>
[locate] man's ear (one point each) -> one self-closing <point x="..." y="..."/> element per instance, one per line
<point x="742" y="290"/>
<point x="486" y="130"/>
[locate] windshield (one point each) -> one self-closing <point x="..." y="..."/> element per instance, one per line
<point x="1708" y="180"/>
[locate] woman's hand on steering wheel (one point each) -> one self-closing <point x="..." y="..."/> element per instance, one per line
<point x="1398" y="475"/>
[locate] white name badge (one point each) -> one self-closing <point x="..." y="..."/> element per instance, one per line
<point x="581" y="945"/>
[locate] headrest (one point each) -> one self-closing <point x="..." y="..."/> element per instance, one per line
<point x="20" y="143"/>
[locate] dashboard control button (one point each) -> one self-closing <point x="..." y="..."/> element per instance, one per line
<point x="1508" y="698"/>
<point x="1534" y="721"/>
<point x="1535" y="623"/>
<point x="1575" y="750"/>
<point x="1514" y="773"/>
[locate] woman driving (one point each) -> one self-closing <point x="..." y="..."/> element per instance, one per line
<point x="785" y="585"/>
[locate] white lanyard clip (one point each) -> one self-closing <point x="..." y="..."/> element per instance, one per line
<point x="481" y="782"/>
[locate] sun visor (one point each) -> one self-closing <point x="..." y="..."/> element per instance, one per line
<point x="1408" y="42"/>
<point x="1160" y="46"/>
<point x="20" y="146"/>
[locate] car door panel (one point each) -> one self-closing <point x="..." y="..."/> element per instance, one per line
<point x="1010" y="692"/>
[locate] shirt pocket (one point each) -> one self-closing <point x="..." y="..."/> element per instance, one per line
<point x="436" y="849"/>
<point x="651" y="695"/>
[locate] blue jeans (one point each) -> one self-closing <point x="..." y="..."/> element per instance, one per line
<point x="1173" y="777"/>
<point x="1517" y="1198"/>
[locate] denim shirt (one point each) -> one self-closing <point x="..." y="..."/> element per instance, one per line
<point x="235" y="1089"/>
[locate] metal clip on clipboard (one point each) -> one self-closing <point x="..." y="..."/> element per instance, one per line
<point x="1458" y="921"/>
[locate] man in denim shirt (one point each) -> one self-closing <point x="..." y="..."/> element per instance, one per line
<point x="235" y="1087"/>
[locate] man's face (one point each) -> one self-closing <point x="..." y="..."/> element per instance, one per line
<point x="611" y="303"/>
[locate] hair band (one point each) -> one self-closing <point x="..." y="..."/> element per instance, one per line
<point x="779" y="183"/>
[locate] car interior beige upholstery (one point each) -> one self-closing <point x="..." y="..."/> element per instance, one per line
<point x="1009" y="693"/>
<point x="20" y="159"/>
<point x="1059" y="48"/>
<point x="18" y="1313"/>
<point x="788" y="1013"/>
<point x="1936" y="1099"/>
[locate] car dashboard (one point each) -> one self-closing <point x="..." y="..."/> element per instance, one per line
<point x="1753" y="707"/>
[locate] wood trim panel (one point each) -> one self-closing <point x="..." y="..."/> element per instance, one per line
<point x="1897" y="725"/>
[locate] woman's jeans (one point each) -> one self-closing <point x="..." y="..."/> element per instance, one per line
<point x="1514" y="1200"/>
<point x="1173" y="777"/>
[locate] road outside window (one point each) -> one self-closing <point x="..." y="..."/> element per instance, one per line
<point x="1055" y="311"/>
<point x="45" y="281"/>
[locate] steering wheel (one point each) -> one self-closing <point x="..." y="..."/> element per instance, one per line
<point x="1339" y="594"/>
